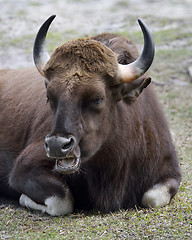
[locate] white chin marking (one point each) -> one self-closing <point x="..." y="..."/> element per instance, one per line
<point x="157" y="196"/>
<point x="54" y="205"/>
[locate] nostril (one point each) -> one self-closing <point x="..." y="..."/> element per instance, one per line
<point x="68" y="144"/>
<point x="46" y="145"/>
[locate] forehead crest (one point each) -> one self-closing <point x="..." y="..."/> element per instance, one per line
<point x="83" y="56"/>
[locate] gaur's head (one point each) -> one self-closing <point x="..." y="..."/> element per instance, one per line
<point x="85" y="84"/>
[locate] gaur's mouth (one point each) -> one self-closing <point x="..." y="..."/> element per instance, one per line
<point x="68" y="164"/>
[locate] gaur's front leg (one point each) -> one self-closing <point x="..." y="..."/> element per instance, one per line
<point x="41" y="189"/>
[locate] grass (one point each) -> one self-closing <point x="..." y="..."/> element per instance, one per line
<point x="171" y="222"/>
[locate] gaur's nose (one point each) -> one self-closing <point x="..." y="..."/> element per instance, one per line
<point x="59" y="147"/>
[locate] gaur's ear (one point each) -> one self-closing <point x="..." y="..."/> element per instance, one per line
<point x="46" y="82"/>
<point x="130" y="91"/>
<point x="132" y="94"/>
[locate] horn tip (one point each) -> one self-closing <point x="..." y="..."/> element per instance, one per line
<point x="141" y="22"/>
<point x="53" y="16"/>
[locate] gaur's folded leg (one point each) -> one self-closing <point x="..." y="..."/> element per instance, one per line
<point x="41" y="188"/>
<point x="161" y="193"/>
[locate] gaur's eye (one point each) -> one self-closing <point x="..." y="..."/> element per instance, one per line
<point x="93" y="101"/>
<point x="97" y="101"/>
<point x="51" y="102"/>
<point x="48" y="100"/>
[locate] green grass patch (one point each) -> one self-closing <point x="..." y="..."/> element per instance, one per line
<point x="166" y="36"/>
<point x="171" y="222"/>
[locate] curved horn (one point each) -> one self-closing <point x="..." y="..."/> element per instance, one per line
<point x="132" y="71"/>
<point x="40" y="54"/>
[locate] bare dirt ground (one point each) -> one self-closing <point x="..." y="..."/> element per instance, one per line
<point x="171" y="26"/>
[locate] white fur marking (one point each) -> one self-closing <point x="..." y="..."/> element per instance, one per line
<point x="57" y="206"/>
<point x="54" y="205"/>
<point x="157" y="196"/>
<point x="27" y="202"/>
